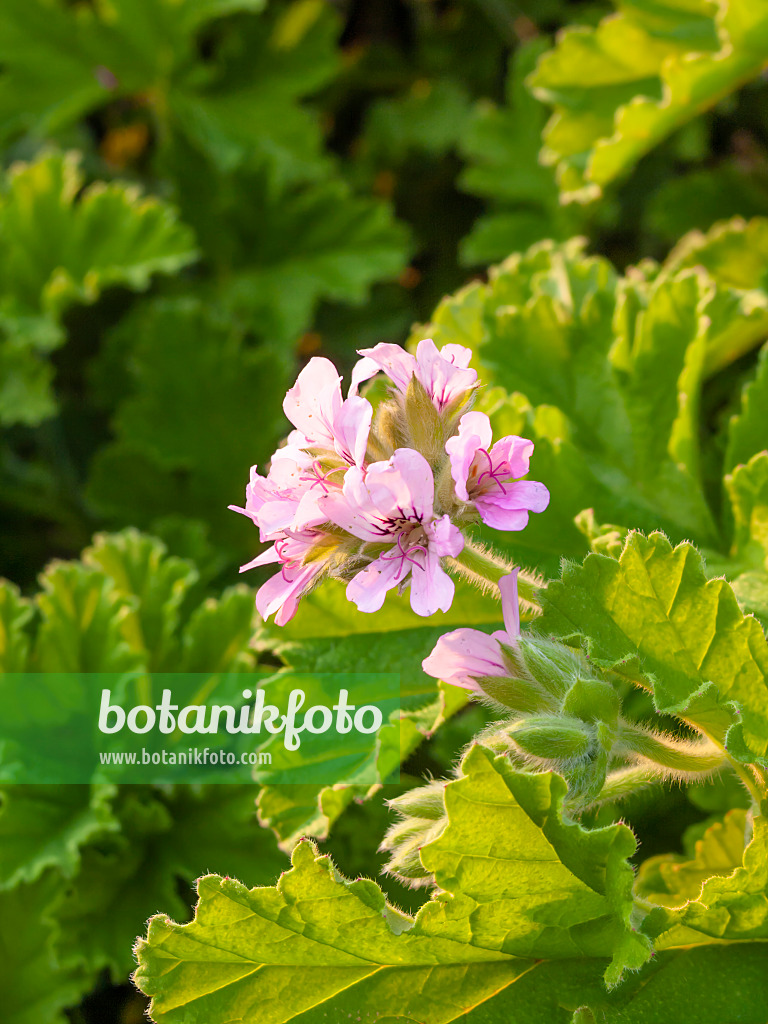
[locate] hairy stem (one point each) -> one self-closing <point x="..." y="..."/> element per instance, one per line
<point x="684" y="757"/>
<point x="484" y="569"/>
<point x="625" y="781"/>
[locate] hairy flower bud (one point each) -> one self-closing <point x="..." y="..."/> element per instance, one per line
<point x="423" y="819"/>
<point x="553" y="738"/>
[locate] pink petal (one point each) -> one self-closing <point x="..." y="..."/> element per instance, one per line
<point x="351" y="427"/>
<point x="444" y="537"/>
<point x="444" y="380"/>
<point x="308" y="511"/>
<point x="398" y="364"/>
<point x="464" y="655"/>
<point x="314" y="400"/>
<point x="529" y="494"/>
<point x="474" y="433"/>
<point x="338" y="509"/>
<point x="457" y="354"/>
<point x="499" y="518"/>
<point x="510" y="605"/>
<point x="281" y="593"/>
<point x="363" y="370"/>
<point x="411" y="483"/>
<point x="277" y="515"/>
<point x="515" y="451"/>
<point x="369" y="588"/>
<point x="431" y="588"/>
<point x="265" y="558"/>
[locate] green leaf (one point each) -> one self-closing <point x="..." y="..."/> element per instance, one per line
<point x="293" y="811"/>
<point x="672" y="879"/>
<point x="732" y="901"/>
<point x="328" y="634"/>
<point x="64" y="245"/>
<point x="82" y="622"/>
<point x="238" y="118"/>
<point x="219" y="634"/>
<point x="15" y="613"/>
<point x="352" y="951"/>
<point x="605" y="374"/>
<point x="654" y="611"/>
<point x="129" y="875"/>
<point x="747" y="487"/>
<point x="747" y="567"/>
<point x="735" y="254"/>
<point x="46" y="826"/>
<point x="36" y="985"/>
<point x="68" y="62"/>
<point x="700" y="197"/>
<point x="430" y="118"/>
<point x="199" y="415"/>
<point x="610" y="371"/>
<point x="320" y="242"/>
<point x="620" y="88"/>
<point x="748" y="429"/>
<point x="139" y="568"/>
<point x="501" y="146"/>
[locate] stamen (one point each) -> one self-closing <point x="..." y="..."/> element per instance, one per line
<point x="495" y="474"/>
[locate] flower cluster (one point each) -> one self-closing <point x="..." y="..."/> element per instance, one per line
<point x="380" y="502"/>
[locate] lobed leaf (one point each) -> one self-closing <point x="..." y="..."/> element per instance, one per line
<point x="63" y="245"/>
<point x="655" y="612"/>
<point x="238" y="958"/>
<point x="620" y="88"/>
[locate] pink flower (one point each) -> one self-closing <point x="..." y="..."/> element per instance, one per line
<point x="391" y="504"/>
<point x="445" y="374"/>
<point x="315" y="407"/>
<point x="287" y="497"/>
<point x="488" y="476"/>
<point x="302" y="560"/>
<point x="464" y="656"/>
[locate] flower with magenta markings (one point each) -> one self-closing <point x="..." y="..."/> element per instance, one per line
<point x="391" y="503"/>
<point x="381" y="502"/>
<point x="323" y="419"/>
<point x="488" y="476"/>
<point x="465" y="657"/>
<point x="445" y="374"/>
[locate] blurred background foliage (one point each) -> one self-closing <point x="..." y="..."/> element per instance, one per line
<point x="200" y="194"/>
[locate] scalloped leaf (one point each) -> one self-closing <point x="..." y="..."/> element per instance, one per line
<point x="15" y="613"/>
<point x="46" y="826"/>
<point x="36" y="984"/>
<point x="655" y="612"/>
<point x="139" y="567"/>
<point x="64" y="245"/>
<point x="605" y="374"/>
<point x="131" y="873"/>
<point x="622" y="87"/>
<point x="748" y="429"/>
<point x="318" y="942"/>
<point x="82" y="622"/>
<point x="673" y="879"/>
<point x="731" y="904"/>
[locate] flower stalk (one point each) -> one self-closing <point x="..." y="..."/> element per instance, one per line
<point x="484" y="569"/>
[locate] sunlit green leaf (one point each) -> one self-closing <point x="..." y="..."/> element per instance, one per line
<point x="622" y="87"/>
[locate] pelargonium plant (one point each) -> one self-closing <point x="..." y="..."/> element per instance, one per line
<point x="385" y="501"/>
<point x="631" y="671"/>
